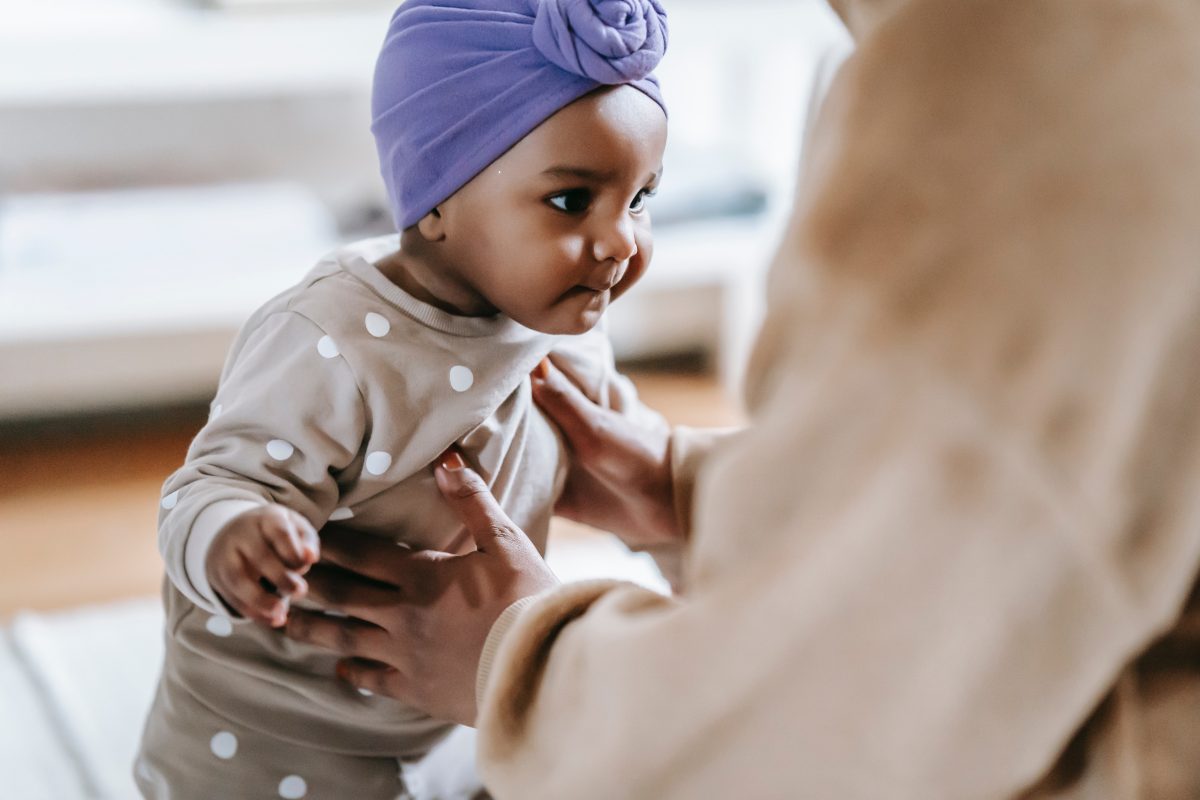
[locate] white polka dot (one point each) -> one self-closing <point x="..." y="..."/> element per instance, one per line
<point x="377" y="324"/>
<point x="461" y="378"/>
<point x="171" y="500"/>
<point x="224" y="745"/>
<point x="327" y="347"/>
<point x="340" y="514"/>
<point x="366" y="692"/>
<point x="280" y="450"/>
<point x="216" y="412"/>
<point x="292" y="787"/>
<point x="378" y="462"/>
<point x="219" y="626"/>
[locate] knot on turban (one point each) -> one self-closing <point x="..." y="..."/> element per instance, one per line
<point x="459" y="82"/>
<point x="609" y="41"/>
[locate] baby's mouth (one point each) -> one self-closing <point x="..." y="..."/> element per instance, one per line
<point x="582" y="290"/>
<point x="605" y="286"/>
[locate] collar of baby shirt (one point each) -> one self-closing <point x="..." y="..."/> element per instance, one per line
<point x="359" y="260"/>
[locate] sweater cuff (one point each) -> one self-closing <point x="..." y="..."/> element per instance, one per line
<point x="208" y="524"/>
<point x="492" y="644"/>
<point x="522" y="638"/>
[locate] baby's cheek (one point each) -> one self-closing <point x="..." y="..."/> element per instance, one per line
<point x="534" y="306"/>
<point x="634" y="273"/>
<point x="567" y="249"/>
<point x="540" y="295"/>
<point x="643" y="237"/>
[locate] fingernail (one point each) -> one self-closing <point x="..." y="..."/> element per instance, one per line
<point x="452" y="461"/>
<point x="542" y="370"/>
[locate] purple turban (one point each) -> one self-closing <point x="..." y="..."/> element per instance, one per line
<point x="459" y="82"/>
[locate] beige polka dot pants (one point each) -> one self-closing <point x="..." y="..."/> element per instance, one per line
<point x="190" y="753"/>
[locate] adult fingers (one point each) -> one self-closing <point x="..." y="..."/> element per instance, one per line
<point x="573" y="412"/>
<point x="474" y="504"/>
<point x="338" y="590"/>
<point x="345" y="636"/>
<point x="374" y="677"/>
<point x="372" y="556"/>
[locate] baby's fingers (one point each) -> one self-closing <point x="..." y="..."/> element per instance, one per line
<point x="265" y="563"/>
<point x="285" y="581"/>
<point x="240" y="588"/>
<point x="293" y="539"/>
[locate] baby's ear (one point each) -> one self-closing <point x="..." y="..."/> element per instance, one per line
<point x="431" y="227"/>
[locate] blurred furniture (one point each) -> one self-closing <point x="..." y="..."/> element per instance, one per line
<point x="114" y="294"/>
<point x="131" y="298"/>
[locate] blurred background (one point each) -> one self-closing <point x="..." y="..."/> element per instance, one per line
<point x="168" y="165"/>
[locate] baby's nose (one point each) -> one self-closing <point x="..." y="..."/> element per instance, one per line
<point x="615" y="242"/>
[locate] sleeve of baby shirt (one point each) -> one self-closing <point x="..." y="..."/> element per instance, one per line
<point x="288" y="419"/>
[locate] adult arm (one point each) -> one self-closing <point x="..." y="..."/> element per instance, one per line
<point x="965" y="504"/>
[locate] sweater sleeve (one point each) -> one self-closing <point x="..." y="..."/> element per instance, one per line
<point x="936" y="628"/>
<point x="966" y="504"/>
<point x="288" y="418"/>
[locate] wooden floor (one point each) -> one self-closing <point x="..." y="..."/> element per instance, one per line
<point x="79" y="498"/>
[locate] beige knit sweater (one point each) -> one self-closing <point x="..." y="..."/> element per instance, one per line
<point x="956" y="554"/>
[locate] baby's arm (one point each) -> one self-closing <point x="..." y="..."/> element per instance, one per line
<point x="287" y="420"/>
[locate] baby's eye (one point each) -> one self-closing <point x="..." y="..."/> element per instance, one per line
<point x="572" y="201"/>
<point x="639" y="200"/>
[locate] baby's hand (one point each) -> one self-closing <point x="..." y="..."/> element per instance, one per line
<point x="256" y="562"/>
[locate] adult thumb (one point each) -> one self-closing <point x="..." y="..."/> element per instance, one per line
<point x="474" y="504"/>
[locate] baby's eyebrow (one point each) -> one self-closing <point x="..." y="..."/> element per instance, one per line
<point x="582" y="173"/>
<point x="595" y="176"/>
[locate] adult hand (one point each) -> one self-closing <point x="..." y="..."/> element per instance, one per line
<point x="417" y="619"/>
<point x="620" y="471"/>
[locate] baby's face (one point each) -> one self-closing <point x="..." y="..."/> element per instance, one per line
<point x="557" y="227"/>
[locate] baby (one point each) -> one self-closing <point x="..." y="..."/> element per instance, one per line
<point x="519" y="141"/>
